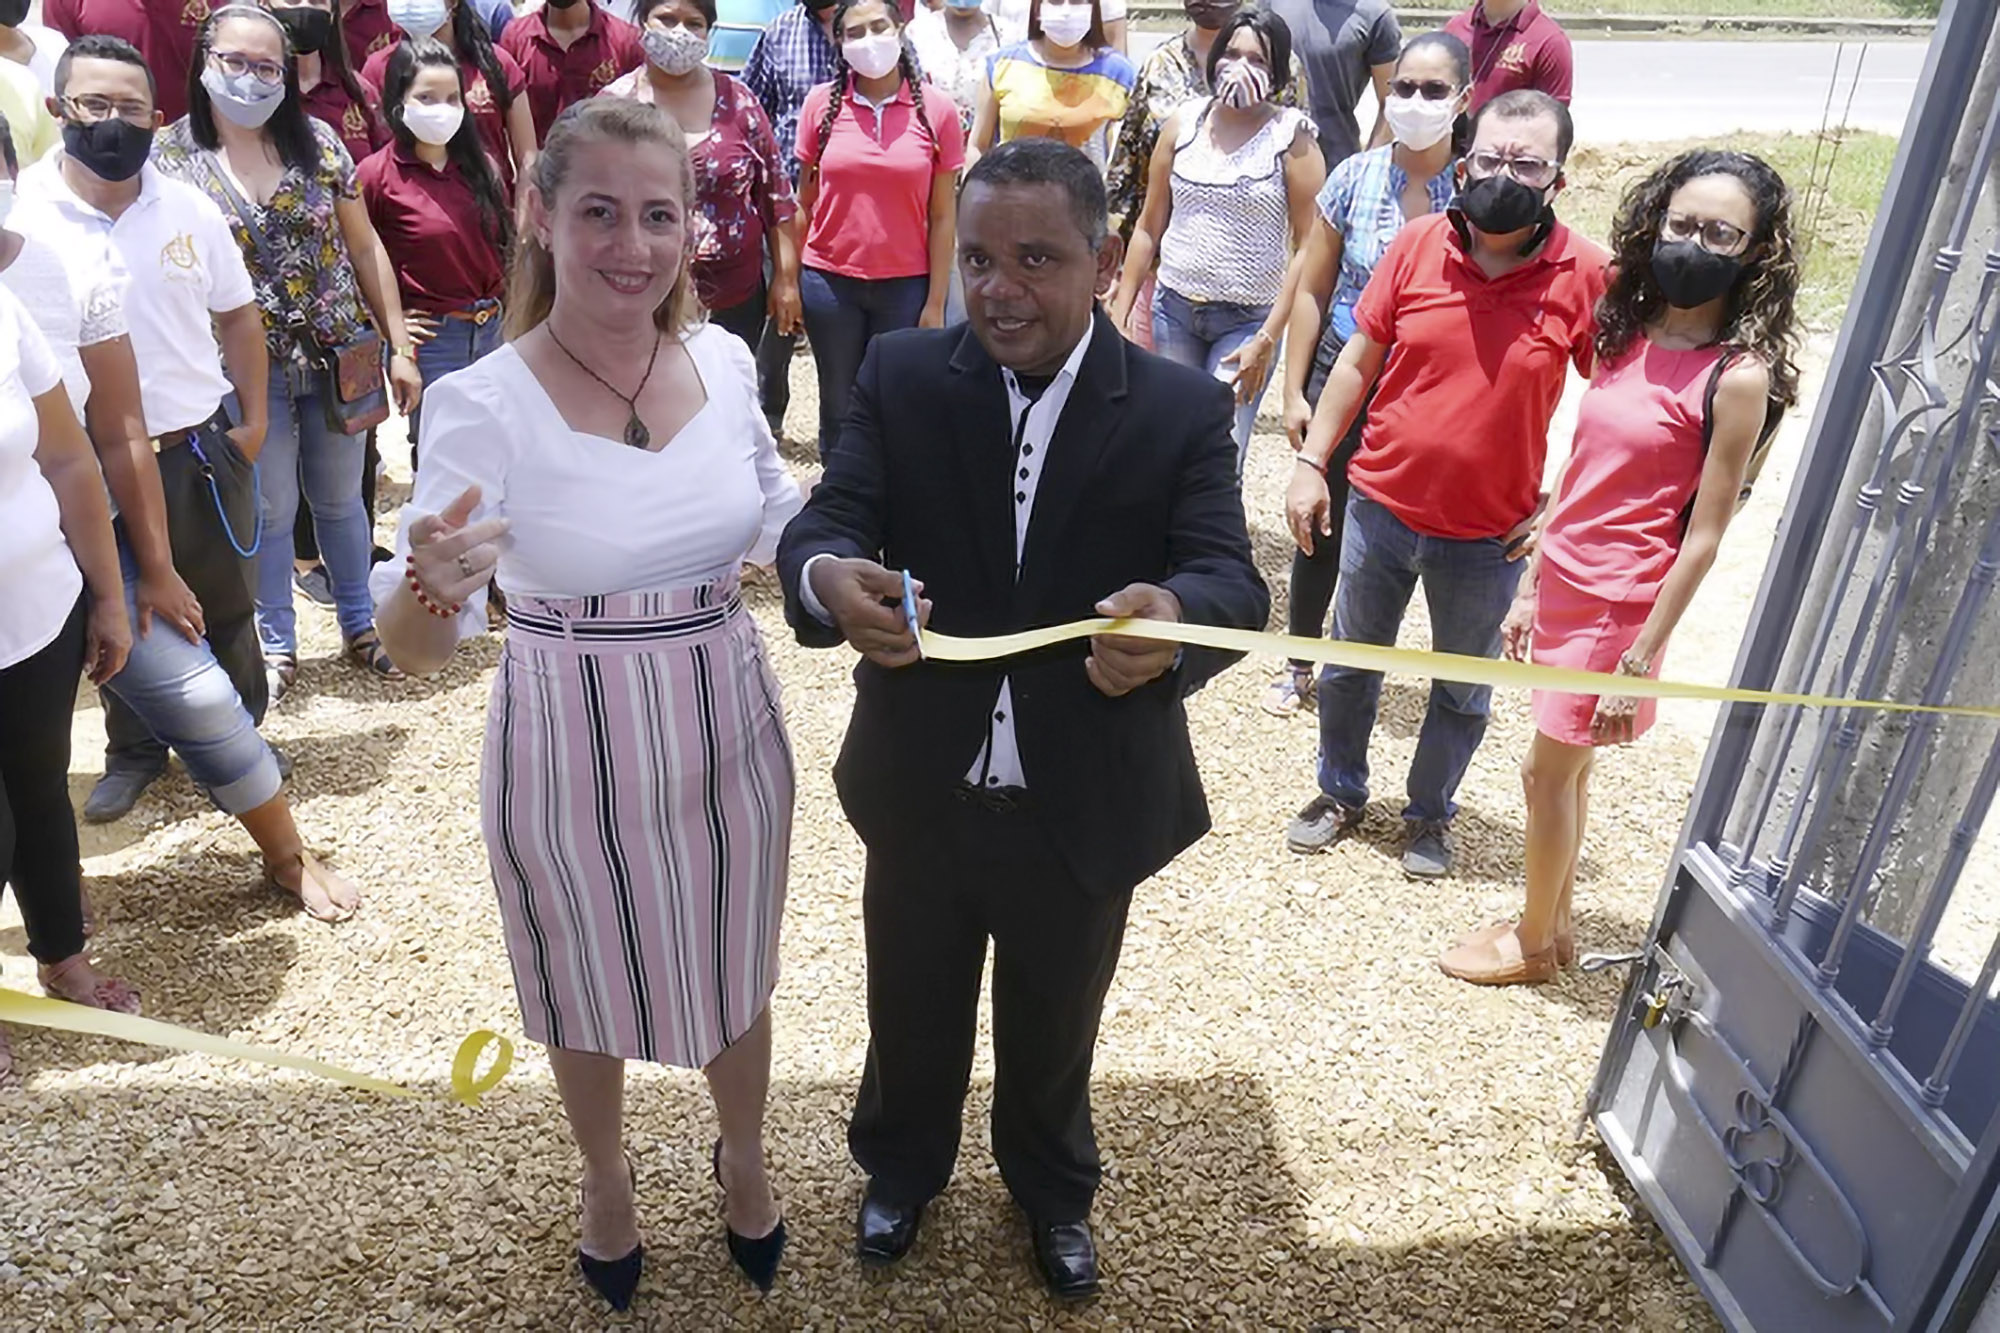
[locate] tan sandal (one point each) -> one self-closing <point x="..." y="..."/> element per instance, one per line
<point x="337" y="900"/>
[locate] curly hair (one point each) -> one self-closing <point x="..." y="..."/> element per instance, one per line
<point x="906" y="67"/>
<point x="1761" y="318"/>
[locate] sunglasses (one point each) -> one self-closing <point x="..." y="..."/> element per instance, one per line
<point x="1432" y="90"/>
<point x="1534" y="172"/>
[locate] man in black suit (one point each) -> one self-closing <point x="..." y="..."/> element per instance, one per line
<point x="1022" y="800"/>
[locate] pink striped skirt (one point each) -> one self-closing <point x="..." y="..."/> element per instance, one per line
<point x="637" y="805"/>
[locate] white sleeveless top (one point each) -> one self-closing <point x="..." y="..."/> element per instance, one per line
<point x="1229" y="238"/>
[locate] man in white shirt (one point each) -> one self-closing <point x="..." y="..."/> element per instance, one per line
<point x="184" y="283"/>
<point x="1029" y="468"/>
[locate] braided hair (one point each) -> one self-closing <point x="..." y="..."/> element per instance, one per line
<point x="471" y="40"/>
<point x="906" y="67"/>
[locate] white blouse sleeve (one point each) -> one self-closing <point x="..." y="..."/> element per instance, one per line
<point x="781" y="494"/>
<point x="466" y="442"/>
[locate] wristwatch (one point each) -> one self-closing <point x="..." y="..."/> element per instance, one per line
<point x="408" y="351"/>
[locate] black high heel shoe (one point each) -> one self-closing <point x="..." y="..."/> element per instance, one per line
<point x="758" y="1257"/>
<point x="616" y="1280"/>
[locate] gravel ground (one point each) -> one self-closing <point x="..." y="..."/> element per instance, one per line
<point x="1305" y="1124"/>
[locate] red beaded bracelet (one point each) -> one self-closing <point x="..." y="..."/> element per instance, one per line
<point x="423" y="599"/>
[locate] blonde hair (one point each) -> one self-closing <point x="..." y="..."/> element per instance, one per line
<point x="531" y="280"/>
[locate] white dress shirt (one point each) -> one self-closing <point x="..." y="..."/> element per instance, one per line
<point x="1032" y="426"/>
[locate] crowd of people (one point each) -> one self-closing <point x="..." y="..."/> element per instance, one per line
<point x="1044" y="290"/>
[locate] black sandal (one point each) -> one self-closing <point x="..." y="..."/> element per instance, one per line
<point x="365" y="650"/>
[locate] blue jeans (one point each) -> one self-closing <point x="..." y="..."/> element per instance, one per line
<point x="1468" y="586"/>
<point x="300" y="452"/>
<point x="1200" y="334"/>
<point x="842" y="315"/>
<point x="189" y="703"/>
<point x="459" y="343"/>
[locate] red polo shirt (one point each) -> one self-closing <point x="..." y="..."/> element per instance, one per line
<point x="1458" y="431"/>
<point x="430" y="223"/>
<point x="1527" y="51"/>
<point x="367" y="28"/>
<point x="480" y="103"/>
<point x="163" y="30"/>
<point x="872" y="217"/>
<point x="557" y="77"/>
<point x="357" y="123"/>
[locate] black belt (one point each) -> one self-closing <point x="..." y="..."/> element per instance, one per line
<point x="215" y="425"/>
<point x="999" y="800"/>
<point x="479" y="313"/>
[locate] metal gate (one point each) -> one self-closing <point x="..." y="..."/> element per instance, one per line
<point x="1799" y="1082"/>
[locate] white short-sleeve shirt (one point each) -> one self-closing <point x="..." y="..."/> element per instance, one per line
<point x="591" y="516"/>
<point x="76" y="302"/>
<point x="179" y="265"/>
<point x="39" y="581"/>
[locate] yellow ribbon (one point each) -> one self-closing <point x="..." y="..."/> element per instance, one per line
<point x="467" y="1084"/>
<point x="1403" y="661"/>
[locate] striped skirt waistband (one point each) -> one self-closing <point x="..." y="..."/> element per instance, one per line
<point x="661" y="617"/>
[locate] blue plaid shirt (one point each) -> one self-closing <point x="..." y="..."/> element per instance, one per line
<point x="1362" y="200"/>
<point x="791" y="57"/>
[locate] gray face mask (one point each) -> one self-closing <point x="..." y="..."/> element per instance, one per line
<point x="243" y="98"/>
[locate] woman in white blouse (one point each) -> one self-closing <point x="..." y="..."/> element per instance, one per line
<point x="611" y="464"/>
<point x="62" y="612"/>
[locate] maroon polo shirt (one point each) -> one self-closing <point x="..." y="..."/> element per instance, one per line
<point x="1527" y="51"/>
<point x="367" y="28"/>
<point x="480" y="103"/>
<point x="163" y="30"/>
<point x="431" y="226"/>
<point x="608" y="48"/>
<point x="357" y="123"/>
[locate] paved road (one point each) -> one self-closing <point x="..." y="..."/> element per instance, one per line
<point x="1638" y="90"/>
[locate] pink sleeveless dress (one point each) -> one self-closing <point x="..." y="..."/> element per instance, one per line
<point x="1618" y="521"/>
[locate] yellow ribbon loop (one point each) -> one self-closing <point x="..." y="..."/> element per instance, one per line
<point x="1405" y="662"/>
<point x="62" y="1016"/>
<point x="464" y="1087"/>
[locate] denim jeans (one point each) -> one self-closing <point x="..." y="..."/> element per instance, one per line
<point x="458" y="344"/>
<point x="1468" y="586"/>
<point x="188" y="702"/>
<point x="301" y="453"/>
<point x="1200" y="334"/>
<point x="842" y="316"/>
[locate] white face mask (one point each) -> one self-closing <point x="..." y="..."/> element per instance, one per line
<point x="675" y="50"/>
<point x="419" y="18"/>
<point x="875" y="55"/>
<point x="1065" y="25"/>
<point x="433" y="122"/>
<point x="1419" y="122"/>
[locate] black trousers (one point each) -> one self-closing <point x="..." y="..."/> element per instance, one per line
<point x="223" y="581"/>
<point x="38" y="845"/>
<point x="1315" y="576"/>
<point x="775" y="351"/>
<point x="929" y="905"/>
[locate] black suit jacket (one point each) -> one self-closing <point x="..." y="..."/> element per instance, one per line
<point x="1139" y="486"/>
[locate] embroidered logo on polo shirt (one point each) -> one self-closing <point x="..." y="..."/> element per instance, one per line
<point x="1515" y="58"/>
<point x="179" y="252"/>
<point x="354" y="125"/>
<point x="479" y="97"/>
<point x="603" y="74"/>
<point x="194" y="13"/>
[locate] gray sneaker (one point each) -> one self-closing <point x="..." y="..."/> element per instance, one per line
<point x="1321" y="824"/>
<point x="116" y="793"/>
<point x="1428" y="855"/>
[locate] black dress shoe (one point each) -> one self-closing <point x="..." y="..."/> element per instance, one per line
<point x="885" y="1231"/>
<point x="1067" y="1257"/>
<point x="757" y="1256"/>
<point x="117" y="792"/>
<point x="614" y="1279"/>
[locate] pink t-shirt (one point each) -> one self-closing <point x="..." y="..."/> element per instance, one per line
<point x="872" y="218"/>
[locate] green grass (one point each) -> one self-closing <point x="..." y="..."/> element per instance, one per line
<point x="1834" y="230"/>
<point x="1840" y="9"/>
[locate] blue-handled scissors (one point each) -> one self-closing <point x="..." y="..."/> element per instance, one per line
<point x="910" y="612"/>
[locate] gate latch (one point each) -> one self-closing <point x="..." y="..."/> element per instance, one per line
<point x="1671" y="983"/>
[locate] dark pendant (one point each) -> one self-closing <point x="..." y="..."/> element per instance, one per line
<point x="636" y="433"/>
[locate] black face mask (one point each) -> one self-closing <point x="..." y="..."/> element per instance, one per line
<point x="1690" y="276"/>
<point x="309" y="29"/>
<point x="1499" y="204"/>
<point x="13" y="13"/>
<point x="110" y="149"/>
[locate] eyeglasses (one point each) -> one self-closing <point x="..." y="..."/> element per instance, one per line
<point x="89" y="108"/>
<point x="236" y="66"/>
<point x="1711" y="234"/>
<point x="1433" y="90"/>
<point x="1536" y="172"/>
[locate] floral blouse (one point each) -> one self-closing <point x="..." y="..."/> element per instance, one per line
<point x="303" y="266"/>
<point x="740" y="183"/>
